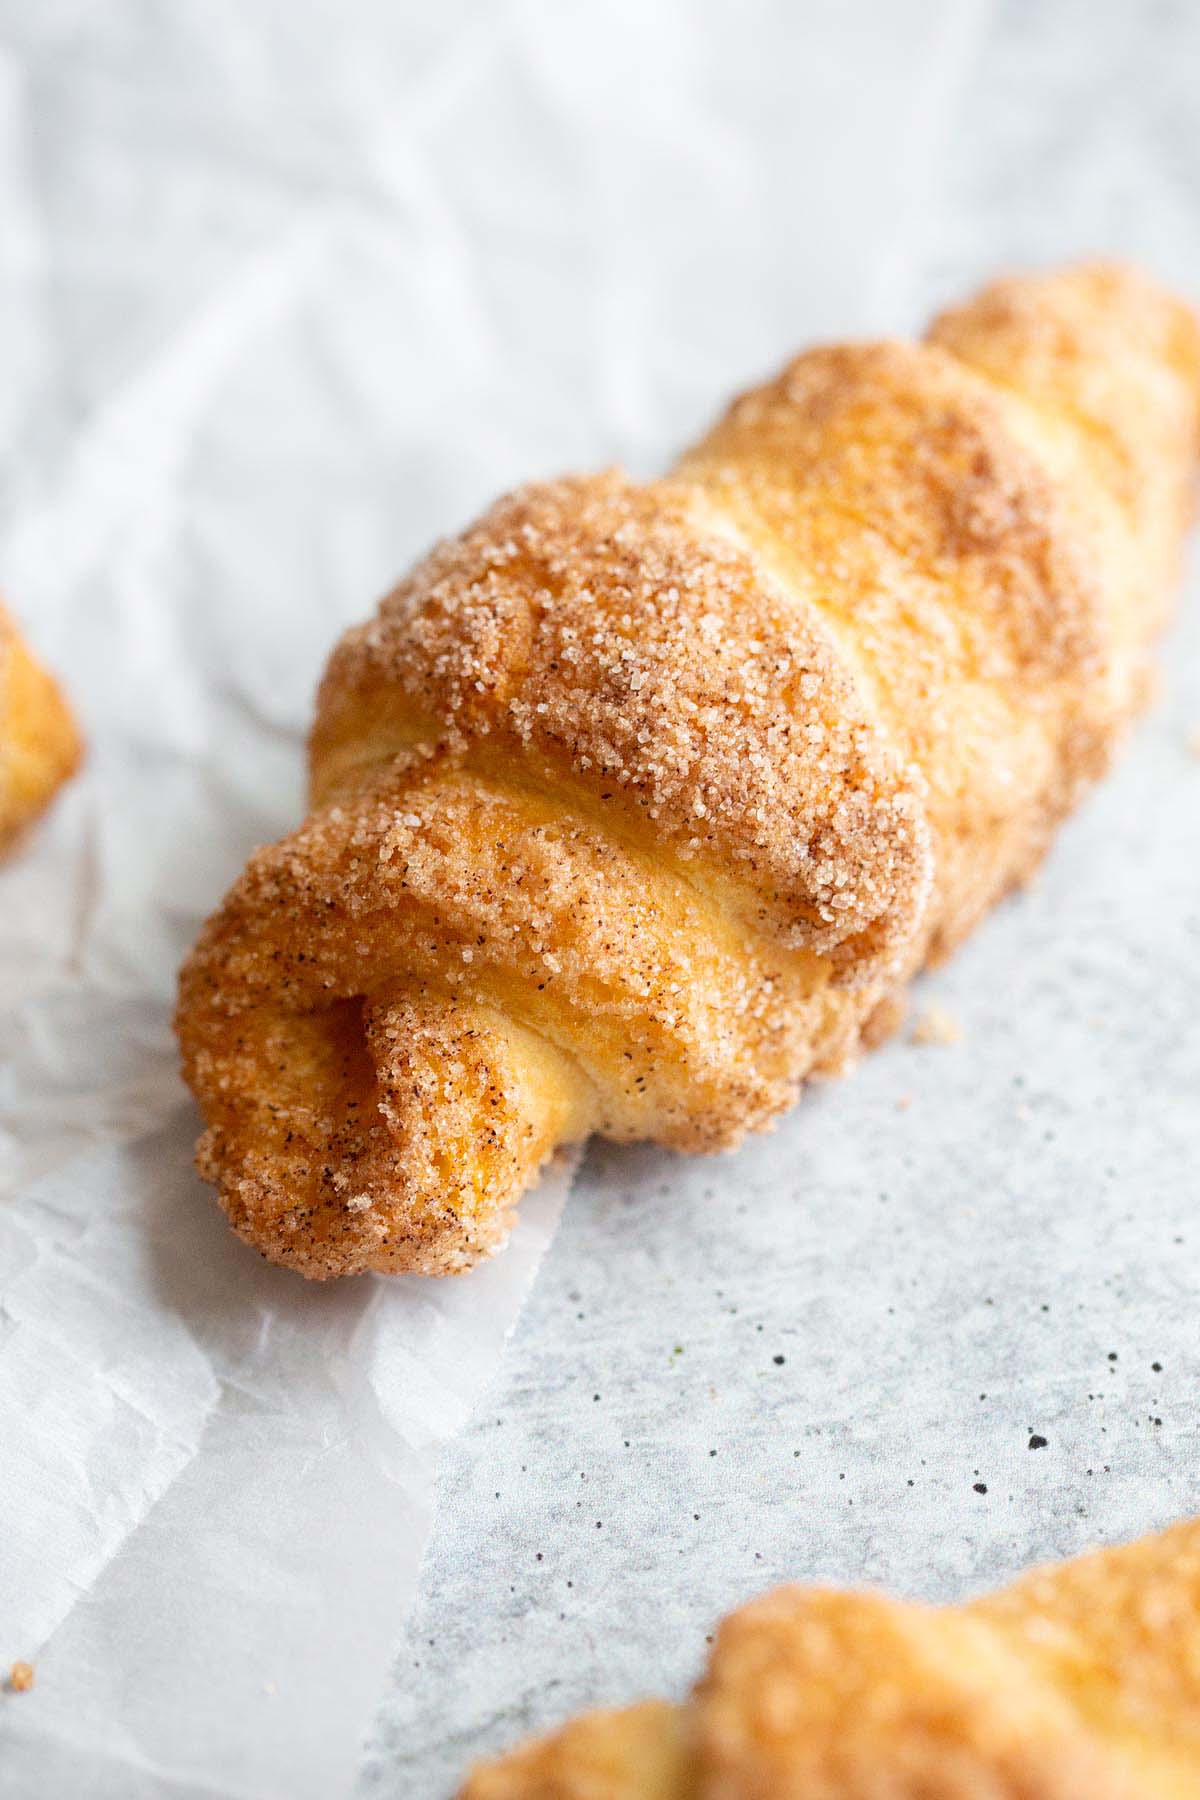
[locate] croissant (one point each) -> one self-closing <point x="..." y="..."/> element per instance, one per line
<point x="39" y="745"/>
<point x="1080" y="1682"/>
<point x="635" y="805"/>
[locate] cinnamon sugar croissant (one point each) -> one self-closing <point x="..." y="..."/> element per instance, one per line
<point x="39" y="745"/>
<point x="1080" y="1682"/>
<point x="634" y="804"/>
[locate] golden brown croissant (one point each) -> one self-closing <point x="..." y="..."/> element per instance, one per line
<point x="1081" y="1682"/>
<point x="634" y="803"/>
<point x="39" y="746"/>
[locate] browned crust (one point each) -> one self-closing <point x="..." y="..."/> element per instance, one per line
<point x="619" y="641"/>
<point x="883" y="482"/>
<point x="641" y="1751"/>
<point x="1102" y="369"/>
<point x="634" y="806"/>
<point x="531" y="975"/>
<point x="1080" y="1682"/>
<point x="39" y="745"/>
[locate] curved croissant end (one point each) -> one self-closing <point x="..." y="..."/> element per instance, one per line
<point x="633" y="803"/>
<point x="1077" y="1683"/>
<point x="39" y="745"/>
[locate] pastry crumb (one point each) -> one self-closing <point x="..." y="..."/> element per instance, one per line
<point x="936" y="1026"/>
<point x="884" y="1021"/>
<point x="20" y="1678"/>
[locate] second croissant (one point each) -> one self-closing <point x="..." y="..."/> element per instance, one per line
<point x="634" y="806"/>
<point x="1079" y="1682"/>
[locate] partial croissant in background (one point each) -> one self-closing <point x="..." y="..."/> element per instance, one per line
<point x="634" y="804"/>
<point x="1080" y="1682"/>
<point x="39" y="745"/>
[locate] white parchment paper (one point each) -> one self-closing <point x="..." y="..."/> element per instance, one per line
<point x="286" y="291"/>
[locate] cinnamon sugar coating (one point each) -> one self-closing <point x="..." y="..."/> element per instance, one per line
<point x="883" y="484"/>
<point x="634" y="805"/>
<point x="620" y="642"/>
<point x="39" y="745"/>
<point x="1080" y="1682"/>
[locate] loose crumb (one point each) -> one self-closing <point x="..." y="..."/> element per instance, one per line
<point x="20" y="1678"/>
<point x="936" y="1026"/>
